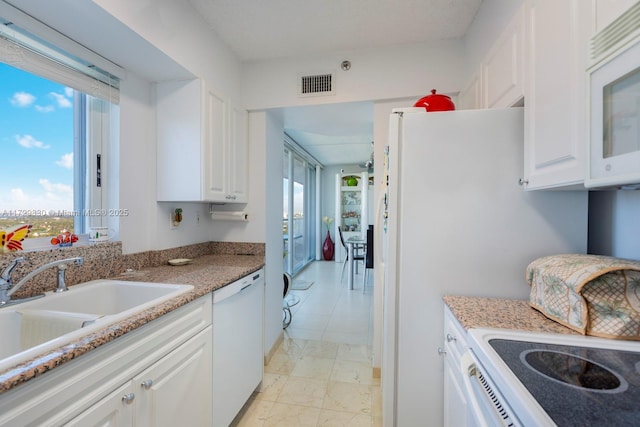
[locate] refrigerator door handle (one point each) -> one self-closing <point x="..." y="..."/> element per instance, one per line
<point x="378" y="227"/>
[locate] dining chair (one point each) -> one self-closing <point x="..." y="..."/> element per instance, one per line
<point x="368" y="259"/>
<point x="357" y="254"/>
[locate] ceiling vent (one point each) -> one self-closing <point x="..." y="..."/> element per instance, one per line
<point x="316" y="84"/>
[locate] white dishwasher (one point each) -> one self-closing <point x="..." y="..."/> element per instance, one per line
<point x="237" y="345"/>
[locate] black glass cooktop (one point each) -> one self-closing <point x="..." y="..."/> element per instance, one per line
<point x="577" y="386"/>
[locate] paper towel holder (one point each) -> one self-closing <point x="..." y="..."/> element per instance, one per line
<point x="224" y="215"/>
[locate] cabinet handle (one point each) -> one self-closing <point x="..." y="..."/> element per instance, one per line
<point x="128" y="398"/>
<point x="442" y="351"/>
<point x="523" y="181"/>
<point x="147" y="384"/>
<point x="450" y="338"/>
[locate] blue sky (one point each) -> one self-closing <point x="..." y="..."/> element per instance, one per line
<point x="36" y="136"/>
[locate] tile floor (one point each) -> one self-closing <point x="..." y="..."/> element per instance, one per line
<point x="321" y="373"/>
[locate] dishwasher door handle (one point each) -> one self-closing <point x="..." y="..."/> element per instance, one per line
<point x="232" y="289"/>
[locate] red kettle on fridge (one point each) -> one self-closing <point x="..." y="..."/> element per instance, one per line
<point x="435" y="102"/>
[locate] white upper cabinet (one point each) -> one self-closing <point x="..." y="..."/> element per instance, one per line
<point x="499" y="82"/>
<point x="202" y="145"/>
<point x="471" y="97"/>
<point x="557" y="36"/>
<point x="502" y="69"/>
<point x="239" y="152"/>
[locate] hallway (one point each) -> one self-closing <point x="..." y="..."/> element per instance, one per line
<point x="321" y="374"/>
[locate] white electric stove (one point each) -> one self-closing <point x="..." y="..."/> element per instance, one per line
<point x="551" y="379"/>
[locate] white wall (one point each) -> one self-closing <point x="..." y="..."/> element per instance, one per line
<point x="175" y="29"/>
<point x="267" y="143"/>
<point x="614" y="225"/>
<point x="399" y="71"/>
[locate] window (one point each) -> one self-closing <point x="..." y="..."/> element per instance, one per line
<point x="57" y="117"/>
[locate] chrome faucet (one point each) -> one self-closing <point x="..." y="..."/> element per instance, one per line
<point x="7" y="288"/>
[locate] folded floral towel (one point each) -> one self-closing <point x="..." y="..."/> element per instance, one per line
<point x="592" y="294"/>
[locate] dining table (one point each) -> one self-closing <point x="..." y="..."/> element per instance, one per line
<point x="353" y="242"/>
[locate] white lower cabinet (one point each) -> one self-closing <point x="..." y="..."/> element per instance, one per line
<point x="157" y="375"/>
<point x="110" y="411"/>
<point x="455" y="344"/>
<point x="176" y="390"/>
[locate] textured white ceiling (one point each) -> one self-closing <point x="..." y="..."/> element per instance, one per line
<point x="262" y="30"/>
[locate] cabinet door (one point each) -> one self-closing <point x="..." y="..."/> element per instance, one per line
<point x="455" y="403"/>
<point x="179" y="140"/>
<point x="115" y="410"/>
<point x="470" y="98"/>
<point x="455" y="344"/>
<point x="238" y="159"/>
<point x="176" y="390"/>
<point x="502" y="69"/>
<point x="555" y="92"/>
<point x="214" y="158"/>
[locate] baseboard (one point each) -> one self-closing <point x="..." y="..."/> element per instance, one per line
<point x="376" y="372"/>
<point x="274" y="347"/>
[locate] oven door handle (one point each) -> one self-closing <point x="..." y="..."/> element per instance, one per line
<point x="468" y="365"/>
<point x="487" y="412"/>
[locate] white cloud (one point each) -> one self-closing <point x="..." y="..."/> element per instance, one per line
<point x="66" y="161"/>
<point x="22" y="99"/>
<point x="61" y="100"/>
<point x="68" y="92"/>
<point x="19" y="199"/>
<point x="46" y="109"/>
<point x="18" y="195"/>
<point x="50" y="187"/>
<point x="28" y="141"/>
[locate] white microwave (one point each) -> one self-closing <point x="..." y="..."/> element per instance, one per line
<point x="614" y="104"/>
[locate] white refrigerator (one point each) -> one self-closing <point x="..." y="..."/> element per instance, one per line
<point x="456" y="222"/>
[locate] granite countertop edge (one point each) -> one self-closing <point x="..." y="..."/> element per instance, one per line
<point x="206" y="274"/>
<point x="499" y="313"/>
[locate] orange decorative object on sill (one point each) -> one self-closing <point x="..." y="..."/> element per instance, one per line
<point x="11" y="239"/>
<point x="65" y="238"/>
<point x="435" y="102"/>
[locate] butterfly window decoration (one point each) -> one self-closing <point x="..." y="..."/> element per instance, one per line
<point x="11" y="239"/>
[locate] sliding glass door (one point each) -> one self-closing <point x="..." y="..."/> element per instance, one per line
<point x="298" y="211"/>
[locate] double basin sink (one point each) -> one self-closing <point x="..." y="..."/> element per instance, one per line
<point x="35" y="327"/>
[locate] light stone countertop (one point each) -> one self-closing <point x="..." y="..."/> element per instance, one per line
<point x="477" y="312"/>
<point x="206" y="273"/>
